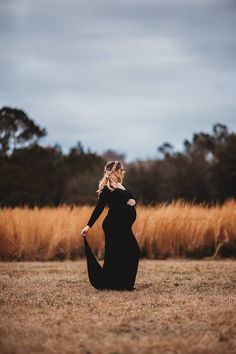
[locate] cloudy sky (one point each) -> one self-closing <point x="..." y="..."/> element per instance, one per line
<point x="126" y="75"/>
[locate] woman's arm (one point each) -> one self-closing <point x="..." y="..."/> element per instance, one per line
<point x="132" y="200"/>
<point x="102" y="201"/>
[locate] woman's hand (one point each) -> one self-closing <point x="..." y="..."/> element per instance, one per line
<point x="131" y="202"/>
<point x="84" y="231"/>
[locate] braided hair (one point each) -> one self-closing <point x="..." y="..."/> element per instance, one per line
<point x="109" y="177"/>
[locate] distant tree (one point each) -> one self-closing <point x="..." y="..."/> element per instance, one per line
<point x="17" y="130"/>
<point x="211" y="164"/>
<point x="109" y="155"/>
<point x="220" y="132"/>
<point x="201" y="146"/>
<point x="166" y="149"/>
<point x="79" y="161"/>
<point x="81" y="187"/>
<point x="204" y="144"/>
<point x="77" y="150"/>
<point x="143" y="178"/>
<point x="32" y="176"/>
<point x="224" y="167"/>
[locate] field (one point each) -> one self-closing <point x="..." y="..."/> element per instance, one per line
<point x="178" y="229"/>
<point x="179" y="306"/>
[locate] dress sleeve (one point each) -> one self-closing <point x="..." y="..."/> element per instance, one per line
<point x="133" y="197"/>
<point x="131" y="194"/>
<point x="102" y="201"/>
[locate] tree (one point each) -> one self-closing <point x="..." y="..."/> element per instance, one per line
<point x="220" y="132"/>
<point x="166" y="149"/>
<point x="17" y="130"/>
<point x="111" y="155"/>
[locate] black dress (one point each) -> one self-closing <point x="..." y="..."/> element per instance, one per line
<point x="122" y="251"/>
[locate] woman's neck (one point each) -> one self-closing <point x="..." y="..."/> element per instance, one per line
<point x="118" y="184"/>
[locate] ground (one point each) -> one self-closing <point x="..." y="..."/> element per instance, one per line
<point x="179" y="306"/>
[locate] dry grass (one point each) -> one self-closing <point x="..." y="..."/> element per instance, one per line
<point x="176" y="230"/>
<point x="179" y="306"/>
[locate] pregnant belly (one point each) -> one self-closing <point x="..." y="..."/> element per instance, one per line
<point x="123" y="215"/>
<point x="129" y="213"/>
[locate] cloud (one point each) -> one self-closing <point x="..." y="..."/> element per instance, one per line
<point x="125" y="75"/>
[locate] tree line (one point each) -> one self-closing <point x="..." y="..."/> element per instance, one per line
<point x="33" y="175"/>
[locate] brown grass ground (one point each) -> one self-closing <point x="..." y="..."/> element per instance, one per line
<point x="179" y="306"/>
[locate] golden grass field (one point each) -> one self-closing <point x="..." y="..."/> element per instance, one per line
<point x="178" y="229"/>
<point x="179" y="306"/>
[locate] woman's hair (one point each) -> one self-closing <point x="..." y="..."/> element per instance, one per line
<point x="109" y="177"/>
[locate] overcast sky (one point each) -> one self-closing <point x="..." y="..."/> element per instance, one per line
<point x="121" y="74"/>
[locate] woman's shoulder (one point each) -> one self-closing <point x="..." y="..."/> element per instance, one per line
<point x="105" y="190"/>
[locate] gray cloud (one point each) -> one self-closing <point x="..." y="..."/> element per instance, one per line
<point x="125" y="74"/>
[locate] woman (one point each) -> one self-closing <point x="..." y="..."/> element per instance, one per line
<point x="122" y="251"/>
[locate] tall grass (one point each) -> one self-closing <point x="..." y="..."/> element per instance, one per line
<point x="179" y="229"/>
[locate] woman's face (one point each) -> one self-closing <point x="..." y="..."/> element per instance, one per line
<point x="120" y="173"/>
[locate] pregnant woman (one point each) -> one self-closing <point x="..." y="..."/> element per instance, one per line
<point x="122" y="251"/>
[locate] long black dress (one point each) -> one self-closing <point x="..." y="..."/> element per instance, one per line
<point x="122" y="251"/>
